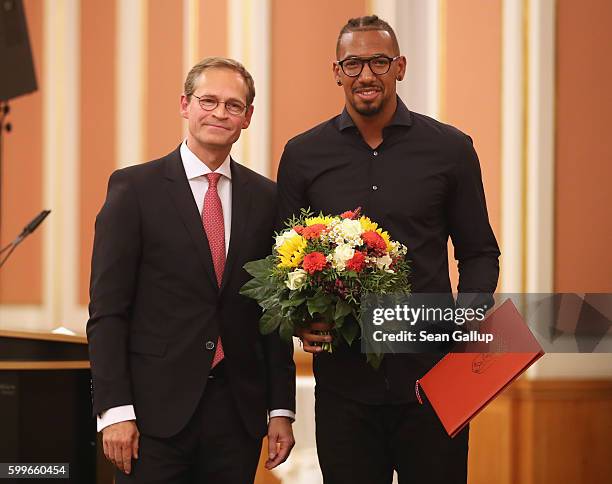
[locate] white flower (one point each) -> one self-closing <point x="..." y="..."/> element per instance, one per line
<point x="296" y="279"/>
<point x="383" y="262"/>
<point x="282" y="238"/>
<point x="342" y="254"/>
<point x="350" y="229"/>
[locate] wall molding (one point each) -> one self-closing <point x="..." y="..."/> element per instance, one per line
<point x="249" y="42"/>
<point x="512" y="146"/>
<point x="130" y="81"/>
<point x="540" y="174"/>
<point x="417" y="25"/>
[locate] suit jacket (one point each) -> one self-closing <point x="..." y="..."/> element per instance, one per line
<point x="156" y="308"/>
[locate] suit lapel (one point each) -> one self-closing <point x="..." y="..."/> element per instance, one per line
<point x="182" y="197"/>
<point x="241" y="202"/>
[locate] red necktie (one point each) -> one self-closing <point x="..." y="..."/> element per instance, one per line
<point x="212" y="217"/>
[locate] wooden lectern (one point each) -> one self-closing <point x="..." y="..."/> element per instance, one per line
<point x="45" y="403"/>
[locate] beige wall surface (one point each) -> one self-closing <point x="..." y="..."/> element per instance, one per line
<point x="304" y="93"/>
<point x="97" y="126"/>
<point x="472" y="86"/>
<point x="583" y="216"/>
<point x="22" y="179"/>
<point x="471" y="91"/>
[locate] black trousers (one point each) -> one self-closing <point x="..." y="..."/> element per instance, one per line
<point x="214" y="447"/>
<point x="363" y="444"/>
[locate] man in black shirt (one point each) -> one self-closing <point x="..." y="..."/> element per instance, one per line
<point x="420" y="180"/>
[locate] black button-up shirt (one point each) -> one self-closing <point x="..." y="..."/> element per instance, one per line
<point x="422" y="184"/>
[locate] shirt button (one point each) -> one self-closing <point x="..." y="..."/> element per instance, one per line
<point x="210" y="345"/>
<point x="374" y="187"/>
<point x="375" y="153"/>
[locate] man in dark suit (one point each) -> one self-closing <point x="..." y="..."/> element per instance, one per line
<point x="182" y="378"/>
<point x="420" y="180"/>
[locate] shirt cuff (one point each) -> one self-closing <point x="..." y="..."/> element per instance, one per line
<point x="115" y="415"/>
<point x="282" y="413"/>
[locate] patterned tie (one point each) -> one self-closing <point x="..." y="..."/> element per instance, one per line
<point x="212" y="217"/>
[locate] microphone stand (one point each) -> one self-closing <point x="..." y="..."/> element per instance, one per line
<point x="28" y="229"/>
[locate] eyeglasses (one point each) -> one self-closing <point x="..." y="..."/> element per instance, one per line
<point x="379" y="65"/>
<point x="211" y="103"/>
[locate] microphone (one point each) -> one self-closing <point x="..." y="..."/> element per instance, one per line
<point x="27" y="230"/>
<point x="33" y="225"/>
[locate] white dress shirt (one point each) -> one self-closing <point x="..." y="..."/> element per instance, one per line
<point x="196" y="172"/>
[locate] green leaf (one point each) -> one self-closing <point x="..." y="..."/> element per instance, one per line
<point x="338" y="323"/>
<point x="251" y="289"/>
<point x="292" y="302"/>
<point x="374" y="360"/>
<point x="319" y="304"/>
<point x="269" y="321"/>
<point x="258" y="289"/>
<point x="269" y="302"/>
<point x="342" y="309"/>
<point x="286" y="329"/>
<point x="349" y="332"/>
<point x="260" y="268"/>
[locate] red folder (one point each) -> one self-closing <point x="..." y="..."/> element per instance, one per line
<point x="462" y="384"/>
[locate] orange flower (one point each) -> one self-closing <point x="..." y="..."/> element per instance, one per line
<point x="313" y="231"/>
<point x="313" y="262"/>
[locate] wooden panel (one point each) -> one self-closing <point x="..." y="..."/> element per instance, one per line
<point x="46" y="336"/>
<point x="43" y="365"/>
<point x="22" y="179"/>
<point x="491" y="444"/>
<point x="545" y="432"/>
<point x="97" y="125"/>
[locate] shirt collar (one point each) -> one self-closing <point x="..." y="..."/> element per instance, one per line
<point x="195" y="168"/>
<point x="401" y="117"/>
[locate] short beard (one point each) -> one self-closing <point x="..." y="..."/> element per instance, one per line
<point x="369" y="111"/>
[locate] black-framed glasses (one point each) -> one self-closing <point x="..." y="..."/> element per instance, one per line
<point x="208" y="103"/>
<point x="379" y="64"/>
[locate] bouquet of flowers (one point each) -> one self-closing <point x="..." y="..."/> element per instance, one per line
<point x="320" y="268"/>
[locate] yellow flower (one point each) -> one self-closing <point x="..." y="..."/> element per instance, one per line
<point x="367" y="224"/>
<point x="385" y="235"/>
<point x="291" y="252"/>
<point x="318" y="220"/>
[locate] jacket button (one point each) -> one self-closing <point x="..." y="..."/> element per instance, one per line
<point x="210" y="345"/>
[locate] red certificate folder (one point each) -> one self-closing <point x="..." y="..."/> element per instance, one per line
<point x="462" y="384"/>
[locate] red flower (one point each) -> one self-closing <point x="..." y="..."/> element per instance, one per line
<point x="313" y="262"/>
<point x="313" y="231"/>
<point x="357" y="262"/>
<point x="298" y="229"/>
<point x="374" y="240"/>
